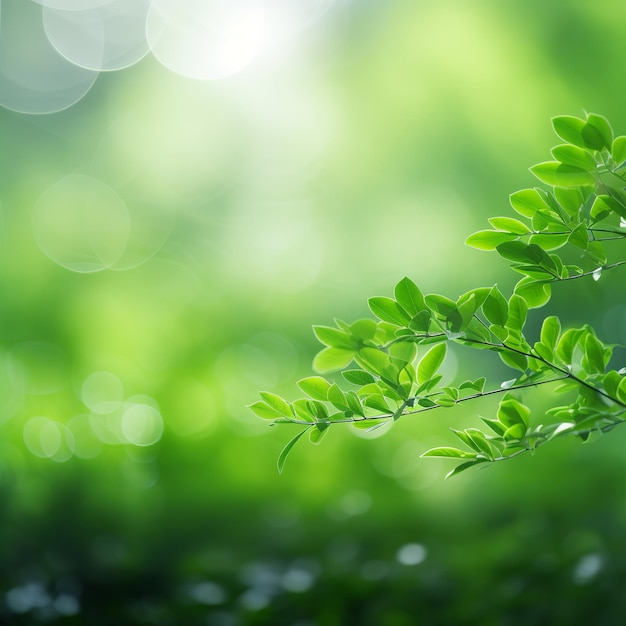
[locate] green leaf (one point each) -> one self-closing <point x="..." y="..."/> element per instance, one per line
<point x="571" y="199"/>
<point x="277" y="403"/>
<point x="549" y="241"/>
<point x="404" y="352"/>
<point x="518" y="310"/>
<point x="561" y="175"/>
<point x="579" y="237"/>
<point x="618" y="151"/>
<point x="604" y="205"/>
<point x="338" y="398"/>
<point x="550" y="331"/>
<point x="333" y="337"/>
<point x="488" y="239"/>
<point x="421" y="322"/>
<point x="389" y="310"/>
<point x="358" y="377"/>
<point x="330" y="359"/>
<point x="567" y="343"/>
<point x="377" y="402"/>
<point x="375" y="361"/>
<point x="621" y="391"/>
<point x="611" y="382"/>
<point x="509" y="225"/>
<point x="573" y="155"/>
<point x="449" y="453"/>
<point x="317" y="433"/>
<point x="364" y="329"/>
<point x="602" y="135"/>
<point x="463" y="467"/>
<point x="512" y="412"/>
<point x="536" y="293"/>
<point x="526" y="253"/>
<point x="515" y="360"/>
<point x="527" y="202"/>
<point x="315" y="387"/>
<point x="570" y="129"/>
<point x="409" y="297"/>
<point x="354" y="403"/>
<point x="282" y="457"/>
<point x="264" y="410"/>
<point x="495" y="307"/>
<point x="305" y="410"/>
<point x="593" y="359"/>
<point x="517" y="431"/>
<point x="431" y="362"/>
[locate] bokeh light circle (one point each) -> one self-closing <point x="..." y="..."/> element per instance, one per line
<point x="205" y="40"/>
<point x="34" y="78"/>
<point x="48" y="439"/>
<point x="81" y="224"/>
<point x="102" y="392"/>
<point x="109" y="37"/>
<point x="73" y="5"/>
<point x="142" y="425"/>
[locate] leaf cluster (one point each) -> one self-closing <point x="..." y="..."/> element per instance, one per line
<point x="391" y="363"/>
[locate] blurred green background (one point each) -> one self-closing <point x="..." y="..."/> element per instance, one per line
<point x="167" y="243"/>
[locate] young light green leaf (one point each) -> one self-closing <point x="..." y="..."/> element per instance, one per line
<point x="330" y="359"/>
<point x="602" y="137"/>
<point x="409" y="297"/>
<point x="375" y="361"/>
<point x="570" y="199"/>
<point x="528" y="201"/>
<point x="305" y="410"/>
<point x="526" y="253"/>
<point x="389" y="310"/>
<point x="403" y="351"/>
<point x="355" y="403"/>
<point x="445" y="452"/>
<point x="536" y="293"/>
<point x="550" y="331"/>
<point x="593" y="359"/>
<point x="621" y="391"/>
<point x="318" y="432"/>
<point x="282" y="458"/>
<point x="514" y="360"/>
<point x="421" y="322"/>
<point x="338" y="398"/>
<point x="431" y="362"/>
<point x="515" y="432"/>
<point x="333" y="337"/>
<point x="567" y="343"/>
<point x="611" y="382"/>
<point x="512" y="412"/>
<point x="570" y="129"/>
<point x="603" y="205"/>
<point x="315" y="387"/>
<point x="377" y="402"/>
<point x="364" y="329"/>
<point x="358" y="377"/>
<point x="488" y="239"/>
<point x="573" y="155"/>
<point x="618" y="151"/>
<point x="495" y="307"/>
<point x="518" y="310"/>
<point x="277" y="403"/>
<point x="561" y="175"/>
<point x="264" y="410"/>
<point x="464" y="466"/>
<point x="579" y="237"/>
<point x="509" y="225"/>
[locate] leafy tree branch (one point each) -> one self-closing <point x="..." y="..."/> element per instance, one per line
<point x="559" y="235"/>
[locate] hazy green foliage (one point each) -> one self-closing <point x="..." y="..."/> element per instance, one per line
<point x="393" y="368"/>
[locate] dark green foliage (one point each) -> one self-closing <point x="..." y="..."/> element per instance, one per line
<point x="397" y="371"/>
